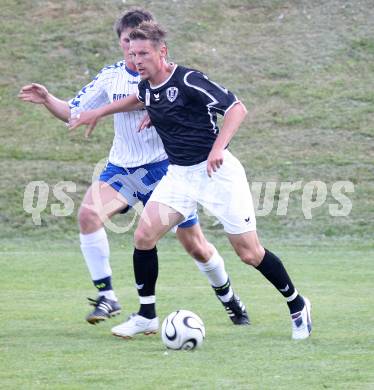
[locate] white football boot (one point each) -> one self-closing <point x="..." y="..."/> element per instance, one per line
<point x="302" y="322"/>
<point x="136" y="324"/>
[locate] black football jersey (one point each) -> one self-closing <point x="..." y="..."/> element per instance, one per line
<point x="184" y="111"/>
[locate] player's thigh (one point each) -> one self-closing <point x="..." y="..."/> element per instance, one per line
<point x="103" y="199"/>
<point x="156" y="220"/>
<point x="173" y="192"/>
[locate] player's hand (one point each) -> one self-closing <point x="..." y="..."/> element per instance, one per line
<point x="215" y="160"/>
<point x="145" y="123"/>
<point x="34" y="93"/>
<point x="89" y="118"/>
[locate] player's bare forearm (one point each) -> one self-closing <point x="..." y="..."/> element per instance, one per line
<point x="57" y="107"/>
<point x="90" y="118"/>
<point x="231" y="123"/>
<point x="233" y="118"/>
<point x="38" y="94"/>
<point x="129" y="103"/>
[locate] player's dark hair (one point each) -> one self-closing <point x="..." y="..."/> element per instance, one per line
<point x="132" y="19"/>
<point x="151" y="31"/>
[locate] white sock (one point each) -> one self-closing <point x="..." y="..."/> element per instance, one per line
<point x="95" y="249"/>
<point x="109" y="294"/>
<point x="214" y="270"/>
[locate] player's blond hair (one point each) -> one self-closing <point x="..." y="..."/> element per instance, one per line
<point x="149" y="31"/>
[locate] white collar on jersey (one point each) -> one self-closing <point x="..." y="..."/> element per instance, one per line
<point x="164" y="82"/>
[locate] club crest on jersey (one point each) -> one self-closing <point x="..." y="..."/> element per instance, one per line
<point x="172" y="93"/>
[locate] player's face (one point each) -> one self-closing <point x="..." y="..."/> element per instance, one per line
<point x="124" y="43"/>
<point x="147" y="58"/>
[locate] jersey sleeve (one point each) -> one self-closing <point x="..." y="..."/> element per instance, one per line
<point x="213" y="95"/>
<point x="93" y="95"/>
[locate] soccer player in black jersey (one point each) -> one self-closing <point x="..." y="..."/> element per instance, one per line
<point x="136" y="163"/>
<point x="183" y="105"/>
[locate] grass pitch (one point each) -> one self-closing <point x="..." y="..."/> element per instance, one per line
<point x="46" y="344"/>
<point x="305" y="70"/>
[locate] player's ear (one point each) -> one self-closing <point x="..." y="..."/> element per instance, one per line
<point x="163" y="51"/>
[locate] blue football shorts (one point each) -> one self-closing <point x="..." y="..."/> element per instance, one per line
<point x="137" y="184"/>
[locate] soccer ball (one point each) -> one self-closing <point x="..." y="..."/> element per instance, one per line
<point x="182" y="329"/>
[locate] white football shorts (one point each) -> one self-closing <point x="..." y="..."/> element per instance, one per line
<point x="226" y="194"/>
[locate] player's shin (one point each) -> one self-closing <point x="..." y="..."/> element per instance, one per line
<point x="95" y="250"/>
<point x="214" y="270"/>
<point x="274" y="271"/>
<point x="146" y="272"/>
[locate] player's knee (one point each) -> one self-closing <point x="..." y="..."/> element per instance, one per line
<point x="144" y="239"/>
<point x="88" y="220"/>
<point x="253" y="256"/>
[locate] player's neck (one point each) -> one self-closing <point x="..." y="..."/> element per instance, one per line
<point x="164" y="73"/>
<point x="130" y="65"/>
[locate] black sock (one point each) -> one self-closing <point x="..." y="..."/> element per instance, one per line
<point x="222" y="290"/>
<point x="147" y="310"/>
<point x="104" y="284"/>
<point x="273" y="270"/>
<point x="146" y="272"/>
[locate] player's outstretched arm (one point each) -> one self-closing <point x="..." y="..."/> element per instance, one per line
<point x="90" y="118"/>
<point x="38" y="94"/>
<point x="232" y="120"/>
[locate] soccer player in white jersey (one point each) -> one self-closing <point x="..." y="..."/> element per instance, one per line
<point x="183" y="105"/>
<point x="136" y="163"/>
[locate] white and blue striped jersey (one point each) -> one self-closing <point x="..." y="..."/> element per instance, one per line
<point x="130" y="148"/>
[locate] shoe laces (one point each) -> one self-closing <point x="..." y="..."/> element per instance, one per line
<point x="95" y="302"/>
<point x="100" y="303"/>
<point x="131" y="316"/>
<point x="234" y="307"/>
